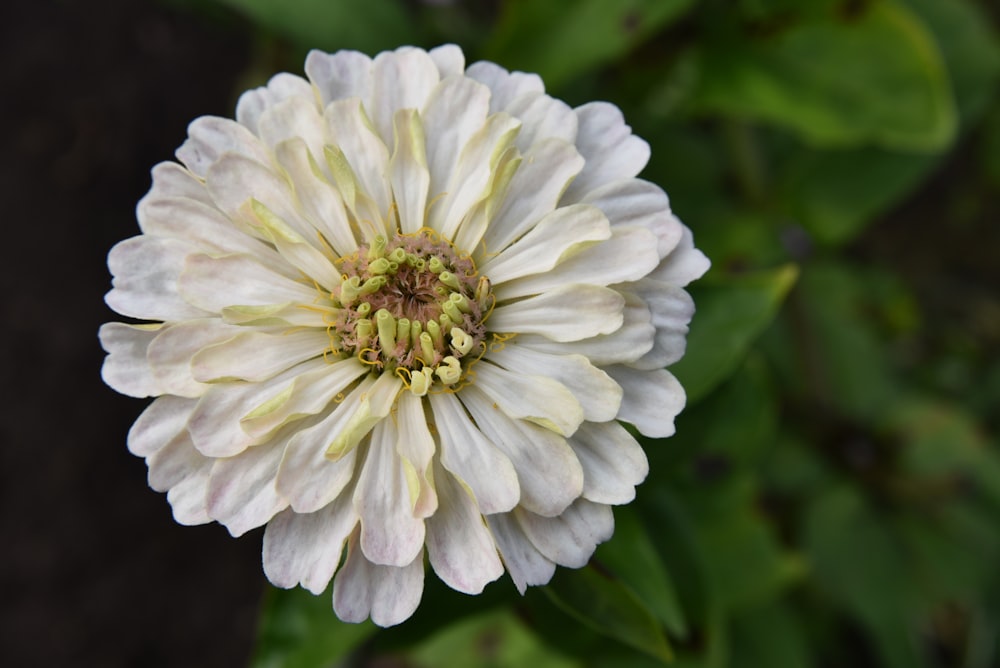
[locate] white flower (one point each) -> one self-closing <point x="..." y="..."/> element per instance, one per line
<point x="401" y="306"/>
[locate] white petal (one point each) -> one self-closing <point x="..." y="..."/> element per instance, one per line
<point x="449" y="59"/>
<point x="543" y="117"/>
<point x="538" y="399"/>
<point x="671" y="308"/>
<point x="390" y="534"/>
<point x="256" y="101"/>
<point x="388" y="594"/>
<point x="505" y="86"/>
<point x="597" y="393"/>
<point x="159" y="423"/>
<point x="416" y="448"/>
<point x="627" y="343"/>
<point x="611" y="150"/>
<point x="340" y="75"/>
<point x="320" y="201"/>
<point x="557" y="235"/>
<point x="534" y="191"/>
<point x="295" y="118"/>
<point x="215" y="422"/>
<point x="408" y="171"/>
<point x="171" y="351"/>
<point x="613" y="462"/>
<point x="472" y="458"/>
<point x="171" y="180"/>
<point x="570" y="539"/>
<point x="628" y="255"/>
<point x="455" y="111"/>
<point x="684" y="264"/>
<point x="126" y="368"/>
<point x="401" y="79"/>
<point x="526" y="565"/>
<point x="257" y="356"/>
<point x="308" y="394"/>
<point x="652" y="399"/>
<point x="306" y="548"/>
<point x="548" y="473"/>
<point x="146" y="271"/>
<point x="459" y="545"/>
<point x="567" y="313"/>
<point x="365" y="152"/>
<point x="188" y="498"/>
<point x="211" y="137"/>
<point x="214" y="283"/>
<point x="175" y="461"/>
<point x="638" y="202"/>
<point x="241" y="489"/>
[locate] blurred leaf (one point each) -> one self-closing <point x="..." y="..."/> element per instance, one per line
<point x="496" y="639"/>
<point x="608" y="607"/>
<point x="561" y="39"/>
<point x="732" y="312"/>
<point x="858" y="563"/>
<point x="299" y="630"/>
<point x="835" y="194"/>
<point x="837" y="80"/>
<point x="631" y="557"/>
<point x="332" y="25"/>
<point x="768" y="635"/>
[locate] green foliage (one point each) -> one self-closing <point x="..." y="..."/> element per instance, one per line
<point x="831" y="495"/>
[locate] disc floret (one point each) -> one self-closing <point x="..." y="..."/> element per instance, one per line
<point x="414" y="306"/>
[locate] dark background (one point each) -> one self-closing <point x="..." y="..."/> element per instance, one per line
<point x="94" y="572"/>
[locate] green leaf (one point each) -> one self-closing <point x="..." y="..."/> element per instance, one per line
<point x="632" y="558"/>
<point x="299" y="630"/>
<point x="562" y="39"/>
<point x="837" y="80"/>
<point x="731" y="313"/>
<point x="608" y="607"/>
<point x="332" y="24"/>
<point x="497" y="639"/>
<point x="768" y="635"/>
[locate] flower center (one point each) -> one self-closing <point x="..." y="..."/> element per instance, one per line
<point x="413" y="306"/>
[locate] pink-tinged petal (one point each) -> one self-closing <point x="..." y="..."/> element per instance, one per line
<point x="305" y="548"/>
<point x="472" y="458"/>
<point x="613" y="462"/>
<point x="146" y="271"/>
<point x="162" y="420"/>
<point x="460" y="547"/>
<point x="571" y="538"/>
<point x="170" y="353"/>
<point x="340" y="75"/>
<point x="548" y="473"/>
<point x="215" y="283"/>
<point x="295" y="118"/>
<point x="211" y="137"/>
<point x="597" y="393"/>
<point x="172" y="181"/>
<point x="387" y="594"/>
<point x="526" y="565"/>
<point x="390" y="534"/>
<point x="652" y="399"/>
<point x="611" y="150"/>
<point x="188" y="499"/>
<point x="126" y="368"/>
<point x="241" y="490"/>
<point x="175" y="461"/>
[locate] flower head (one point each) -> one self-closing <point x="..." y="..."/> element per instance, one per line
<point x="398" y="309"/>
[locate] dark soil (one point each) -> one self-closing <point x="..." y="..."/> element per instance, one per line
<point x="94" y="571"/>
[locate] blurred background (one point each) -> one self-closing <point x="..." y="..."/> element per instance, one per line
<point x="832" y="496"/>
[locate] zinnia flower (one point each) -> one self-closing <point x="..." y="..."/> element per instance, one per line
<point x="401" y="307"/>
